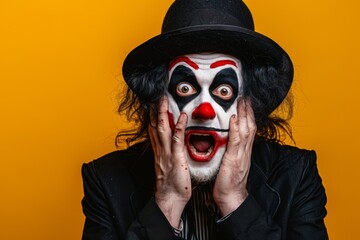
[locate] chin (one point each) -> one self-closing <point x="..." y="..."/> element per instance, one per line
<point x="203" y="172"/>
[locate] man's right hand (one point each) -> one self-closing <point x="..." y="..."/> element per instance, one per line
<point x="173" y="183"/>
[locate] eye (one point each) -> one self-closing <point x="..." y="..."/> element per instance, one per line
<point x="184" y="89"/>
<point x="223" y="91"/>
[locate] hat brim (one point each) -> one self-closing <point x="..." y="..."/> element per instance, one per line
<point x="236" y="41"/>
<point x="246" y="45"/>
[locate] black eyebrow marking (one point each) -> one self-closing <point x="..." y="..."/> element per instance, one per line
<point x="183" y="74"/>
<point x="225" y="76"/>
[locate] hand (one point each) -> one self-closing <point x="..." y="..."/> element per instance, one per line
<point x="173" y="183"/>
<point x="230" y="185"/>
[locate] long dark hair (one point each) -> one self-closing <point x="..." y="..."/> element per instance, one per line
<point x="263" y="84"/>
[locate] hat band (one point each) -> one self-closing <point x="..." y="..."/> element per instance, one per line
<point x="207" y="16"/>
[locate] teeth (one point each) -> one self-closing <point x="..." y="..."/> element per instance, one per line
<point x="193" y="150"/>
<point x="201" y="154"/>
<point x="201" y="134"/>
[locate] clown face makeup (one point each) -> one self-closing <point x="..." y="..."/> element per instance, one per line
<point x="206" y="87"/>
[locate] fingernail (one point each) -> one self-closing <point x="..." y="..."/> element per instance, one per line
<point x="233" y="119"/>
<point x="183" y="115"/>
<point x="163" y="99"/>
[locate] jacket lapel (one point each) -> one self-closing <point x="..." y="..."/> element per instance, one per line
<point x="266" y="196"/>
<point x="143" y="173"/>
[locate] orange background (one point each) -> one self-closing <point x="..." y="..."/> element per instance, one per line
<point x="60" y="72"/>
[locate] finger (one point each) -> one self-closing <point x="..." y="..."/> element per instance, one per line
<point x="241" y="108"/>
<point x="250" y="115"/>
<point x="153" y="119"/>
<point x="163" y="126"/>
<point x="154" y="138"/>
<point x="234" y="137"/>
<point x="243" y="123"/>
<point x="179" y="134"/>
<point x="251" y="124"/>
<point x="234" y="130"/>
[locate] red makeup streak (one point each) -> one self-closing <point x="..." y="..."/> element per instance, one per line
<point x="183" y="59"/>
<point x="219" y="141"/>
<point x="223" y="63"/>
<point x="171" y="121"/>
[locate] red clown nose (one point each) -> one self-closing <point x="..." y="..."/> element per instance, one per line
<point x="204" y="111"/>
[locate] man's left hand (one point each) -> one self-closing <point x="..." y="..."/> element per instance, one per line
<point x="230" y="186"/>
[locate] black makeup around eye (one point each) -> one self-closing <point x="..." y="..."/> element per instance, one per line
<point x="226" y="76"/>
<point x="183" y="74"/>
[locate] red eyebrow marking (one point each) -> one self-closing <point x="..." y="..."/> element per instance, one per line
<point x="222" y="63"/>
<point x="183" y="59"/>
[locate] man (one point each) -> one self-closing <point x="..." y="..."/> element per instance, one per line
<point x="204" y="92"/>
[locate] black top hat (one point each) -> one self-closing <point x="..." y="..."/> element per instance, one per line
<point x="194" y="26"/>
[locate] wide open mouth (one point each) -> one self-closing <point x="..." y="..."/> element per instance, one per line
<point x="202" y="144"/>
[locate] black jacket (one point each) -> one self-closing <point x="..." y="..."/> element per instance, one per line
<point x="286" y="197"/>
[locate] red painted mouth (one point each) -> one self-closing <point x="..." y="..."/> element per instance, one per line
<point x="203" y="144"/>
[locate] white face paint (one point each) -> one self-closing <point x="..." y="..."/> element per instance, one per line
<point x="206" y="87"/>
